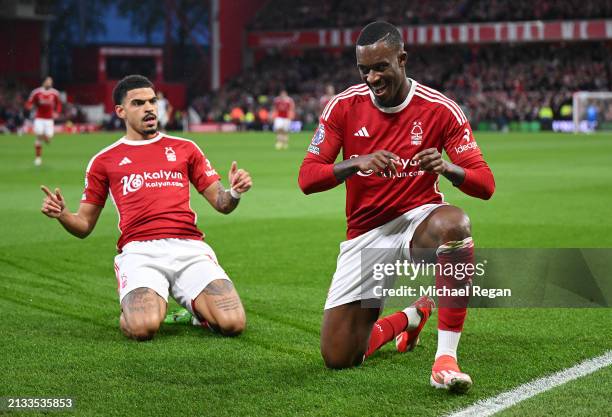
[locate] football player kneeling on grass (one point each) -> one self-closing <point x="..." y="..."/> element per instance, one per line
<point x="391" y="130"/>
<point x="161" y="250"/>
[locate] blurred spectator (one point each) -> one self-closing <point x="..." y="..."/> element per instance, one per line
<point x="497" y="84"/>
<point x="305" y="14"/>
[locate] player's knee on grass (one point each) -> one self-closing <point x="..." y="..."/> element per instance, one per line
<point x="143" y="311"/>
<point x="141" y="328"/>
<point x="220" y="305"/>
<point x="345" y="333"/>
<point x="232" y="324"/>
<point x="335" y="358"/>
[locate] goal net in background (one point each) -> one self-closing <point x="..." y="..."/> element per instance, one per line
<point x="592" y="111"/>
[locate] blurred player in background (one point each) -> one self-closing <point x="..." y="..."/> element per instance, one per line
<point x="161" y="250"/>
<point x="391" y="131"/>
<point x="326" y="98"/>
<point x="164" y="111"/>
<point x="48" y="105"/>
<point x="283" y="114"/>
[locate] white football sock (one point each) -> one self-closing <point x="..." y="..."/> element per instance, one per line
<point x="414" y="318"/>
<point x="447" y="343"/>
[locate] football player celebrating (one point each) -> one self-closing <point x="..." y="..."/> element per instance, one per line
<point x="391" y="131"/>
<point x="161" y="250"/>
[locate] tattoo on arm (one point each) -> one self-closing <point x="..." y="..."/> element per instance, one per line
<point x="225" y="202"/>
<point x="219" y="287"/>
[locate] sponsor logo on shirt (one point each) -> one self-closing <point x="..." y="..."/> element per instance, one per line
<point x="404" y="169"/>
<point x="313" y="149"/>
<point x="462" y="148"/>
<point x="135" y="182"/>
<point x="363" y="132"/>
<point x="470" y="145"/>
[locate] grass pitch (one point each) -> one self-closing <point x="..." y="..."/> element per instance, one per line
<point x="59" y="326"/>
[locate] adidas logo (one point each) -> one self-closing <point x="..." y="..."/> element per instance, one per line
<point x="125" y="161"/>
<point x="363" y="132"/>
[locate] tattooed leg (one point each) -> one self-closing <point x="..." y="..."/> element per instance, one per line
<point x="220" y="305"/>
<point x="143" y="310"/>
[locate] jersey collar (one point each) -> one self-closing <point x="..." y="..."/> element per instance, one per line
<point x="141" y="142"/>
<point x="400" y="106"/>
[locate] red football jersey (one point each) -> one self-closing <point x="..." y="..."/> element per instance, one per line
<point x="148" y="181"/>
<point x="283" y="106"/>
<point x="46" y="101"/>
<point x="352" y="122"/>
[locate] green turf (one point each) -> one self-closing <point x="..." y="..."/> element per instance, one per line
<point x="59" y="328"/>
<point x="578" y="398"/>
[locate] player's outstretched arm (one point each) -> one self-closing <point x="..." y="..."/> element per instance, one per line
<point x="225" y="201"/>
<point x="79" y="224"/>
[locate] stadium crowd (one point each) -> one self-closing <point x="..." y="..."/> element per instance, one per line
<point x="12" y="101"/>
<point x="305" y="14"/>
<point x="495" y="83"/>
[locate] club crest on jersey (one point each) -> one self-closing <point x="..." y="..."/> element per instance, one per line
<point x="319" y="135"/>
<point x="170" y="154"/>
<point x="416" y="134"/>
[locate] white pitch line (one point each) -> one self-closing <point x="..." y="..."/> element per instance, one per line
<point x="488" y="407"/>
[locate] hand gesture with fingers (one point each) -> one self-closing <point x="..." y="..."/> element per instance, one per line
<point x="53" y="204"/>
<point x="430" y="160"/>
<point x="240" y="180"/>
<point x="378" y="162"/>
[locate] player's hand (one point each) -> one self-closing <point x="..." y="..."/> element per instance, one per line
<point x="239" y="179"/>
<point x="378" y="162"/>
<point x="53" y="204"/>
<point x="430" y="160"/>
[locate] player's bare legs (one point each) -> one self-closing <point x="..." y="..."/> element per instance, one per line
<point x="351" y="332"/>
<point x="143" y="310"/>
<point x="445" y="237"/>
<point x="345" y="333"/>
<point x="220" y="305"/>
<point x="38" y="148"/>
<point x="282" y="140"/>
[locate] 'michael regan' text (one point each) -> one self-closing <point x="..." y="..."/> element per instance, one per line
<point x="431" y="291"/>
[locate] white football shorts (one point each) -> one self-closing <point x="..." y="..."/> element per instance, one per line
<point x="282" y="124"/>
<point x="43" y="127"/>
<point x="180" y="267"/>
<point x="392" y="238"/>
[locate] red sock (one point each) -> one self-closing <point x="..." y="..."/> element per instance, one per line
<point x="38" y="150"/>
<point x="453" y="310"/>
<point x="385" y="330"/>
